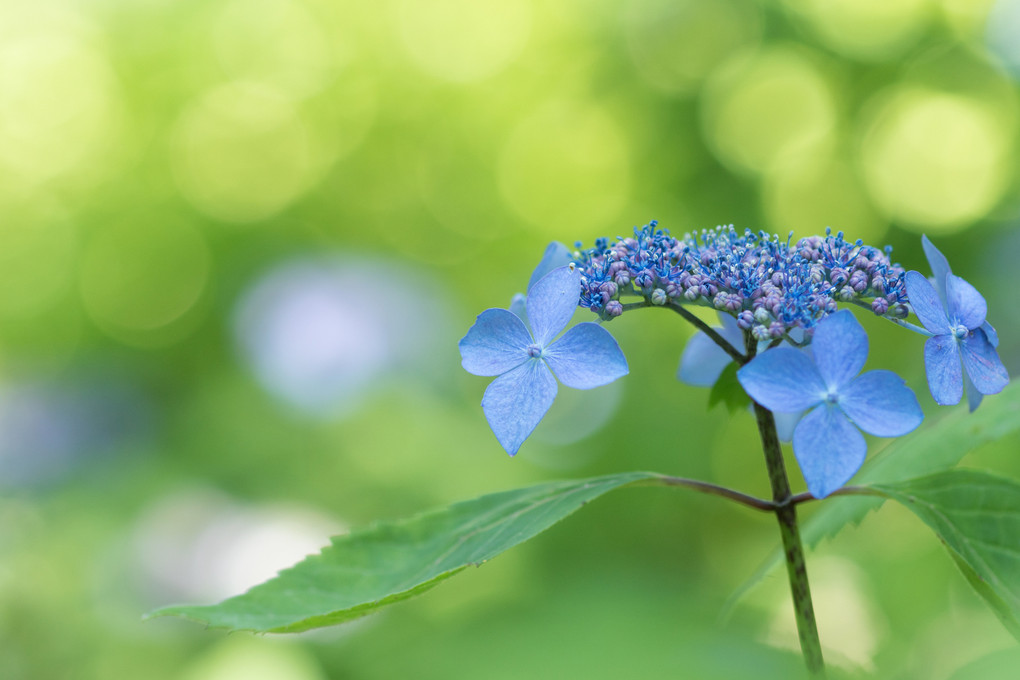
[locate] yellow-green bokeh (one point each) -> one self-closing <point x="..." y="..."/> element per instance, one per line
<point x="160" y="161"/>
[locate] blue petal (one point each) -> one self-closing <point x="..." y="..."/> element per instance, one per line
<point x="973" y="396"/>
<point x="982" y="362"/>
<point x="556" y="255"/>
<point x="586" y="356"/>
<point x="731" y="331"/>
<point x="702" y="360"/>
<point x="782" y="379"/>
<point x="990" y="333"/>
<point x="965" y="304"/>
<point x="786" y="423"/>
<point x="518" y="305"/>
<point x="552" y="301"/>
<point x="496" y="343"/>
<point x="840" y="348"/>
<point x="942" y="367"/>
<point x="881" y="404"/>
<point x="829" y="450"/>
<point x="926" y="304"/>
<point x="516" y="401"/>
<point x="939" y="268"/>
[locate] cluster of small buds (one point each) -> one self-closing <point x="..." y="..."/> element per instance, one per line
<point x="771" y="286"/>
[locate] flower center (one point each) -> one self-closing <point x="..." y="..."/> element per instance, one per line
<point x="534" y="350"/>
<point x="959" y="331"/>
<point x="832" y="398"/>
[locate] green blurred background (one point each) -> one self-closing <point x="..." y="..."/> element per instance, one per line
<point x="239" y="240"/>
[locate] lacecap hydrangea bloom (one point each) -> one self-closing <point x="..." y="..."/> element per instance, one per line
<point x="779" y="303"/>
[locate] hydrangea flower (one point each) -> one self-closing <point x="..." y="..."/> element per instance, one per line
<point x="525" y="361"/>
<point x="957" y="334"/>
<point x="826" y="442"/>
<point x="781" y="285"/>
<point x="977" y="346"/>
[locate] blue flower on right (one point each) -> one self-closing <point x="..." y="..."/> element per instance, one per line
<point x="826" y="441"/>
<point x="954" y="314"/>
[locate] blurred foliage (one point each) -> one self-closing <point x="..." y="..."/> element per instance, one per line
<point x="240" y="239"/>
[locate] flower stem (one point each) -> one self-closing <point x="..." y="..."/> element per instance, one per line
<point x="710" y="332"/>
<point x="786" y="514"/>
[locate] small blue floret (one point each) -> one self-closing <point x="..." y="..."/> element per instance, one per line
<point x="954" y="313"/>
<point x="525" y="361"/>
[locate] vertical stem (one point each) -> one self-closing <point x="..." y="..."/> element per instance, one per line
<point x="786" y="514"/>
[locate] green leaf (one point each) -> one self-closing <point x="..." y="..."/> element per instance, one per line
<point x="977" y="516"/>
<point x="389" y="562"/>
<point x="937" y="446"/>
<point x="727" y="390"/>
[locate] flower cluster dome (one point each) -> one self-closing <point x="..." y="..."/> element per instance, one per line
<point x="771" y="286"/>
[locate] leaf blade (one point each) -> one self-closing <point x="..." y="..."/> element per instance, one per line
<point x="364" y="571"/>
<point x="976" y="515"/>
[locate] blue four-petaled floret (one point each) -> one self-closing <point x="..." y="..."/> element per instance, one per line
<point x="525" y="361"/>
<point x="828" y="446"/>
<point x="953" y="312"/>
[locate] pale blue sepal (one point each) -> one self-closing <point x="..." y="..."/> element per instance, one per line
<point x="984" y="368"/>
<point x="516" y="401"/>
<point x="973" y="396"/>
<point x="881" y="404"/>
<point x="943" y="370"/>
<point x="556" y="255"/>
<point x="939" y="267"/>
<point x="828" y="448"/>
<point x="703" y="361"/>
<point x="786" y="423"/>
<point x="925" y="303"/>
<point x="552" y="301"/>
<point x="783" y="379"/>
<point x="496" y="343"/>
<point x="965" y="304"/>
<point x="840" y="348"/>
<point x="586" y="356"/>
<point x="518" y="305"/>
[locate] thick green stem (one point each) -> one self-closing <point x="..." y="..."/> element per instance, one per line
<point x="786" y="514"/>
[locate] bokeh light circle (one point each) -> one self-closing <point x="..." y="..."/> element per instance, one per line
<point x="933" y="160"/>
<point x="59" y="105"/>
<point x="246" y="658"/>
<point x="866" y="29"/>
<point x="242" y="153"/>
<point x="322" y="333"/>
<point x="762" y="107"/>
<point x="675" y="43"/>
<point x="464" y="41"/>
<point x="141" y="275"/>
<point x="273" y="41"/>
<point x="567" y="163"/>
